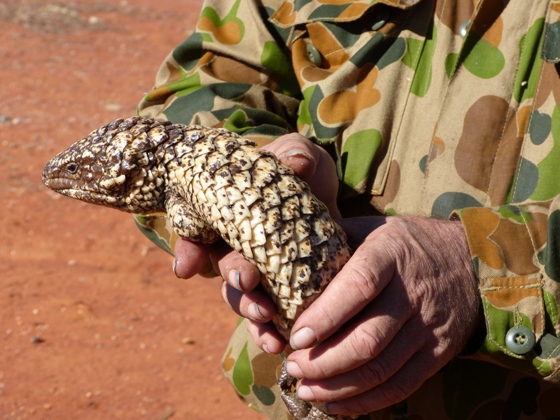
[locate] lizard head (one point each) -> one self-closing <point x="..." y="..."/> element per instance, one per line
<point x="114" y="166"/>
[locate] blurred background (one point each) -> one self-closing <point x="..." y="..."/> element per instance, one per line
<point x="93" y="323"/>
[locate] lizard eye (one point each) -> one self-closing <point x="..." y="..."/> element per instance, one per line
<point x="72" y="167"/>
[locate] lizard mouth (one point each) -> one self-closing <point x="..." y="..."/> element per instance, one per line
<point x="71" y="188"/>
<point x="60" y="184"/>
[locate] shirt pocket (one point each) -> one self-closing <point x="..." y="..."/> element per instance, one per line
<point x="339" y="63"/>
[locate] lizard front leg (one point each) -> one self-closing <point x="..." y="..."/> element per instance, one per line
<point x="186" y="223"/>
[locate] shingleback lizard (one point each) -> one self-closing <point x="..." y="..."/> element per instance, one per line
<point x="214" y="184"/>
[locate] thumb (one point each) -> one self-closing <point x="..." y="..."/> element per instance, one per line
<point x="312" y="164"/>
<point x="298" y="153"/>
<point x="360" y="281"/>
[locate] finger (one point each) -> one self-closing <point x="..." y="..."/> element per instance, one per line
<point x="265" y="336"/>
<point x="396" y="389"/>
<point x="190" y="258"/>
<point x="371" y="374"/>
<point x="254" y="305"/>
<point x="364" y="338"/>
<point x="311" y="163"/>
<point x="297" y="152"/>
<point x="361" y="280"/>
<point x="234" y="269"/>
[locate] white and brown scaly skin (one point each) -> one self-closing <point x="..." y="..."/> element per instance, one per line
<point x="213" y="184"/>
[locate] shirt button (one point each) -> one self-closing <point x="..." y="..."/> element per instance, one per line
<point x="520" y="340"/>
<point x="314" y="55"/>
<point x="381" y="19"/>
<point x="463" y="28"/>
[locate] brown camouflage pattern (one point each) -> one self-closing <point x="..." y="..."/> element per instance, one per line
<point x="430" y="107"/>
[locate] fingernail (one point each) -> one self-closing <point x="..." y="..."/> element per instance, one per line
<point x="293" y="369"/>
<point x="299" y="153"/>
<point x="265" y="348"/>
<point x="305" y="393"/>
<point x="255" y="312"/>
<point x="234" y="278"/>
<point x="303" y="338"/>
<point x="175" y="268"/>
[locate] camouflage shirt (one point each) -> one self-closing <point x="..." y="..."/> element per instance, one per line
<point x="430" y="107"/>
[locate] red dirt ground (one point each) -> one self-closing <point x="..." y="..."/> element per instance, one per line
<point x="93" y="323"/>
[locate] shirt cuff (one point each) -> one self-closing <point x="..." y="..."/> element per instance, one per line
<point x="520" y="302"/>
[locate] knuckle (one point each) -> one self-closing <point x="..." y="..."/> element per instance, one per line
<point x="433" y="359"/>
<point x="394" y="393"/>
<point x="319" y="370"/>
<point x="255" y="331"/>
<point x="373" y="373"/>
<point x="363" y="280"/>
<point x="363" y="344"/>
<point x="316" y="370"/>
<point x="396" y="240"/>
<point x="324" y="321"/>
<point x="252" y="329"/>
<point x="328" y="319"/>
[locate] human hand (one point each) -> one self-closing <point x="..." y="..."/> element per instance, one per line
<point x="403" y="306"/>
<point x="312" y="164"/>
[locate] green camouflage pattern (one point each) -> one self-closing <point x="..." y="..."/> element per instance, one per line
<point x="429" y="107"/>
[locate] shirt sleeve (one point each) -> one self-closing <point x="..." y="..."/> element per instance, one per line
<point x="515" y="251"/>
<point x="515" y="247"/>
